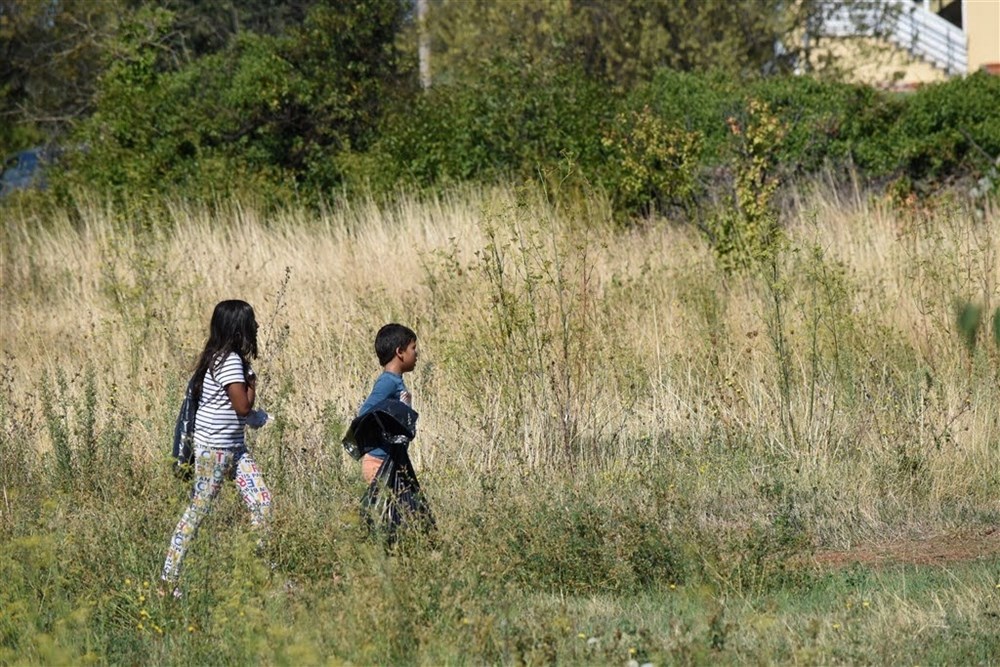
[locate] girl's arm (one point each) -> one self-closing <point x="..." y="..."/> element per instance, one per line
<point x="242" y="396"/>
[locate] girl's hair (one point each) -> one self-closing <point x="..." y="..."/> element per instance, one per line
<point x="233" y="329"/>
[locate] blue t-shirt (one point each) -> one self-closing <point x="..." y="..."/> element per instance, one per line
<point x="387" y="385"/>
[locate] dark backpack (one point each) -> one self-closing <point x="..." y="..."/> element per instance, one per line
<point x="182" y="456"/>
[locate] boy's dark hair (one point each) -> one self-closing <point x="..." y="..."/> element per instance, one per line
<point x="390" y="338"/>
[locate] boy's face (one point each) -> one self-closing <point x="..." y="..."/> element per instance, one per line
<point x="408" y="356"/>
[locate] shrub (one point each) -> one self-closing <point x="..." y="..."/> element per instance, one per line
<point x="264" y="116"/>
<point x="514" y="119"/>
<point x="948" y="130"/>
<point x="652" y="165"/>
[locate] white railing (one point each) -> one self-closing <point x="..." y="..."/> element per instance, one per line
<point x="908" y="25"/>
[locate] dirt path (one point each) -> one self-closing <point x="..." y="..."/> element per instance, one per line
<point x="931" y="550"/>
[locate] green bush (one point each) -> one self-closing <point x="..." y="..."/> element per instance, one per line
<point x="692" y="102"/>
<point x="822" y="119"/>
<point x="513" y="120"/>
<point x="299" y="115"/>
<point x="948" y="130"/>
<point x="264" y="116"/>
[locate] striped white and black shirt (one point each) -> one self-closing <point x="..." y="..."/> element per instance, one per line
<point x="216" y="424"/>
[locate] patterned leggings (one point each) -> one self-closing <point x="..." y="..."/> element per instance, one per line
<point x="211" y="468"/>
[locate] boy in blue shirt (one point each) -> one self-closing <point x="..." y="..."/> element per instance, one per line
<point x="396" y="348"/>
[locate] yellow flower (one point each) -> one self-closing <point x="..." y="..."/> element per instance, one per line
<point x="145" y="584"/>
<point x="142" y="598"/>
<point x="140" y="627"/>
<point x="581" y="635"/>
<point x="836" y="626"/>
<point x="865" y="603"/>
<point x="673" y="587"/>
<point x="190" y="628"/>
<point x="128" y="582"/>
<point x="158" y="629"/>
<point x="631" y="651"/>
<point x="144" y="613"/>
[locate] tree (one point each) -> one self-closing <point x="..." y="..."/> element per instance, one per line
<point x="621" y="42"/>
<point x="50" y="58"/>
<point x="266" y="113"/>
<point x="202" y="27"/>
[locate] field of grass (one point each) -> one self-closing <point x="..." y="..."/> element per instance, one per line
<point x="632" y="455"/>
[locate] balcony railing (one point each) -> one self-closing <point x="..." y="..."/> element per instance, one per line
<point x="906" y="24"/>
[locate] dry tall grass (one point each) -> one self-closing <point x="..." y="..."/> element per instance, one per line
<point x="630" y="453"/>
<point x="552" y="337"/>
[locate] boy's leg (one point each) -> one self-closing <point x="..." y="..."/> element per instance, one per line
<point x="369" y="467"/>
<point x="210" y="467"/>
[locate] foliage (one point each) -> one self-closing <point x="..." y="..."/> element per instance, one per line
<point x="746" y="233"/>
<point x="652" y="166"/>
<point x="50" y="59"/>
<point x="515" y="119"/>
<point x="825" y="122"/>
<point x="263" y="115"/>
<point x="624" y="42"/>
<point x="666" y="146"/>
<point x="946" y="131"/>
<point x="202" y="27"/>
<point x="317" y="97"/>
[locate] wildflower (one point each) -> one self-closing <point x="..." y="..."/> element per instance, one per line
<point x="145" y="584"/>
<point x="144" y="613"/>
<point x="128" y="582"/>
<point x="673" y="586"/>
<point x="581" y="635"/>
<point x="142" y="598"/>
<point x="158" y="629"/>
<point x="865" y="604"/>
<point x="140" y="627"/>
<point x="190" y="628"/>
<point x="836" y="626"/>
<point x="631" y="651"/>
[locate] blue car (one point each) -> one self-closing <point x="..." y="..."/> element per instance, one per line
<point x="25" y="170"/>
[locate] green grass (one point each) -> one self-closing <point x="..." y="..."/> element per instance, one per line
<point x="540" y="573"/>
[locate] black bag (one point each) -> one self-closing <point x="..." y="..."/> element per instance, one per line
<point x="182" y="456"/>
<point x="389" y="421"/>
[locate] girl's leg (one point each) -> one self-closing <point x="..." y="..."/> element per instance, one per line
<point x="210" y="467"/>
<point x="254" y="491"/>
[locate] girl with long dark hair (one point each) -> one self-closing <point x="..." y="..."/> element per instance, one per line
<point x="225" y="387"/>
